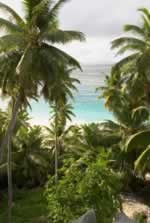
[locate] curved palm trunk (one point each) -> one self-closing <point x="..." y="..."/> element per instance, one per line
<point x="10" y="187"/>
<point x="7" y="142"/>
<point x="56" y="145"/>
<point x="11" y="126"/>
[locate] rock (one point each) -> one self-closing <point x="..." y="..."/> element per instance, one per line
<point x="147" y="177"/>
<point x="122" y="218"/>
<point x="88" y="217"/>
<point x="132" y="206"/>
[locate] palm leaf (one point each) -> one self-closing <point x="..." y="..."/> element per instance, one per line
<point x="54" y="11"/>
<point x="29" y="6"/>
<point x="143" y="160"/>
<point x="11" y="42"/>
<point x="132" y="47"/>
<point x="138" y="140"/>
<point x="135" y="29"/>
<point x="141" y="111"/>
<point x="39" y="12"/>
<point x="146" y="13"/>
<point x="9" y="26"/>
<point x="124" y="61"/>
<point x="126" y="41"/>
<point x="61" y="36"/>
<point x="15" y="16"/>
<point x="110" y="125"/>
<point x="40" y="8"/>
<point x="61" y="56"/>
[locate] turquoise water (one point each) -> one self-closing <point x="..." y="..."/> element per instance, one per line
<point x="87" y="107"/>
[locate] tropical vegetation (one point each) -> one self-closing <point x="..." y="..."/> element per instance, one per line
<point x="58" y="172"/>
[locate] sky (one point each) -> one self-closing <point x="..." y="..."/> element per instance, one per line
<point x="100" y="21"/>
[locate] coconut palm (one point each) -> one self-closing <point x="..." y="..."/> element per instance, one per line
<point x="58" y="95"/>
<point x="138" y="45"/>
<point x="31" y="157"/>
<point x="8" y="165"/>
<point x="135" y="66"/>
<point x="61" y="113"/>
<point x="32" y="40"/>
<point x="129" y="110"/>
<point x="140" y="142"/>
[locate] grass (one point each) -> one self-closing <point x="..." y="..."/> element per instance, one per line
<point x="28" y="207"/>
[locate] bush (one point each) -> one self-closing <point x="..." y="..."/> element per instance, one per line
<point x="84" y="186"/>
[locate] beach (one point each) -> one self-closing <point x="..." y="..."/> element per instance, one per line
<point x="87" y="107"/>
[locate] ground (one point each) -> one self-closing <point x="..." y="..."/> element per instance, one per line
<point x="131" y="206"/>
<point x="29" y="206"/>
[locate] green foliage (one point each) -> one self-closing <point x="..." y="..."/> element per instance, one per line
<point x="140" y="218"/>
<point x="31" y="39"/>
<point x="31" y="158"/>
<point x="142" y="164"/>
<point x="85" y="185"/>
<point x="139" y="140"/>
<point x="29" y="206"/>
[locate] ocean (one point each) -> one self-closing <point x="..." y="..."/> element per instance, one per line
<point x="87" y="107"/>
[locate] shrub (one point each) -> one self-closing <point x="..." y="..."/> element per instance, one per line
<point x="85" y="185"/>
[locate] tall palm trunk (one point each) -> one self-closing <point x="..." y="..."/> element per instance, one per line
<point x="10" y="187"/>
<point x="11" y="126"/>
<point x="56" y="144"/>
<point x="7" y="142"/>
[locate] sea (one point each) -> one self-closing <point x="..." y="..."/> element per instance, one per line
<point x="86" y="105"/>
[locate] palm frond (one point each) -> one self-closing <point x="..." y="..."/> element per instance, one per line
<point x="126" y="41"/>
<point x="11" y="42"/>
<point x="132" y="47"/>
<point x="143" y="161"/>
<point x="14" y="15"/>
<point x="146" y="13"/>
<point x="54" y="11"/>
<point x="40" y="8"/>
<point x="75" y="80"/>
<point x="135" y="29"/>
<point x="40" y="13"/>
<point x="63" y="36"/>
<point x="29" y="6"/>
<point x="142" y="111"/>
<point x="110" y="125"/>
<point x="9" y="26"/>
<point x="61" y="56"/>
<point x="124" y="61"/>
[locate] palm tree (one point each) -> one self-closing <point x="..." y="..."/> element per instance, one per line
<point x="57" y="132"/>
<point x="21" y="123"/>
<point x="58" y="96"/>
<point x="134" y="68"/>
<point x="62" y="111"/>
<point x="138" y="45"/>
<point x="31" y="157"/>
<point x="129" y="110"/>
<point x="32" y="40"/>
<point x="140" y="142"/>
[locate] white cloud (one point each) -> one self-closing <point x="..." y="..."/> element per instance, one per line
<point x="101" y="21"/>
<point x="94" y="51"/>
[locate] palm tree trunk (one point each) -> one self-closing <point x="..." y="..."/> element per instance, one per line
<point x="56" y="145"/>
<point x="10" y="186"/>
<point x="11" y="126"/>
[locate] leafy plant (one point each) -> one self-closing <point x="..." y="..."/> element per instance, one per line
<point x="83" y="186"/>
